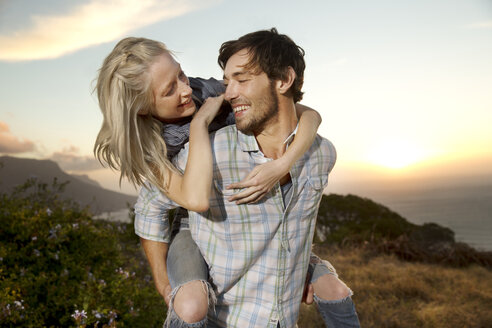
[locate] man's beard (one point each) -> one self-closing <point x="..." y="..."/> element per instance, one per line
<point x="266" y="109"/>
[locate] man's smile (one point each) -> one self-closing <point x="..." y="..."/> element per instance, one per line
<point x="239" y="109"/>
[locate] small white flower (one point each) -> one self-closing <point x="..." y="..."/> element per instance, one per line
<point x="52" y="234"/>
<point x="19" y="304"/>
<point x="97" y="314"/>
<point x="7" y="309"/>
<point x="79" y="315"/>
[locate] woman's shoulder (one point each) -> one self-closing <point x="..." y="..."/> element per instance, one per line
<point x="204" y="88"/>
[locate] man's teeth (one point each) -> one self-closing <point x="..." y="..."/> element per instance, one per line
<point x="240" y="108"/>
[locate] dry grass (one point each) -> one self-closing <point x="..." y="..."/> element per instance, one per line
<point x="393" y="293"/>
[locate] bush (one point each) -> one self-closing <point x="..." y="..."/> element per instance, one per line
<point x="60" y="268"/>
<point x="354" y="221"/>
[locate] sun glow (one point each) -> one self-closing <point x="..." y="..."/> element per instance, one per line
<point x="396" y="154"/>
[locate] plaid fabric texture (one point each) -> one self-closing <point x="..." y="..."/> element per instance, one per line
<point x="258" y="254"/>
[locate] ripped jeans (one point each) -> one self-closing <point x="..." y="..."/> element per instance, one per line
<point x="185" y="264"/>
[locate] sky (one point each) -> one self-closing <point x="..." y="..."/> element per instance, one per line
<point x="404" y="87"/>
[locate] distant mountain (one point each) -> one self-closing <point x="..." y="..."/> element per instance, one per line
<point x="85" y="178"/>
<point x="15" y="171"/>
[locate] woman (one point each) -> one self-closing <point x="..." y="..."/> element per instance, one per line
<point x="142" y="93"/>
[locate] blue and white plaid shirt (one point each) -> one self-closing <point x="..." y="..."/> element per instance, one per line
<point x="258" y="254"/>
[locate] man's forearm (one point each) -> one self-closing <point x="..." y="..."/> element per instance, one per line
<point x="156" y="253"/>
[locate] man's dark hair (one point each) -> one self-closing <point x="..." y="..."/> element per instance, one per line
<point x="271" y="53"/>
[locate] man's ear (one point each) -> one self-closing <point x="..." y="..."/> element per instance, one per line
<point x="284" y="84"/>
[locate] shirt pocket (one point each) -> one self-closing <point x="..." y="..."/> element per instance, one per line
<point x="309" y="195"/>
<point x="318" y="183"/>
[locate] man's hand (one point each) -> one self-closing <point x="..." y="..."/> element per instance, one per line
<point x="308" y="294"/>
<point x="166" y="293"/>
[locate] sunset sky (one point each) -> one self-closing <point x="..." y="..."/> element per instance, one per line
<point x="404" y="87"/>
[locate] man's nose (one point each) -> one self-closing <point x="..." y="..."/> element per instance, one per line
<point x="230" y="92"/>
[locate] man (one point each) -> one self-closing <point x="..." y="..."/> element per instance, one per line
<point x="258" y="254"/>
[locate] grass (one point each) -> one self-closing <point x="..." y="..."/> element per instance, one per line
<point x="393" y="293"/>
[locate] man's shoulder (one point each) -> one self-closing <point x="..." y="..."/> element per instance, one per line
<point x="221" y="139"/>
<point x="225" y="134"/>
<point x="323" y="151"/>
<point x="227" y="130"/>
<point x="325" y="144"/>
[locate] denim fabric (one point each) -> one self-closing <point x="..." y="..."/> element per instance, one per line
<point x="176" y="322"/>
<point x="185" y="263"/>
<point x="335" y="313"/>
<point x="338" y="313"/>
<point x="318" y="267"/>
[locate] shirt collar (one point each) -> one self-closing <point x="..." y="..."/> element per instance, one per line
<point x="291" y="136"/>
<point x="248" y="141"/>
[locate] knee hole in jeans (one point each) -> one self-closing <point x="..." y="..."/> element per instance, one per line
<point x="191" y="302"/>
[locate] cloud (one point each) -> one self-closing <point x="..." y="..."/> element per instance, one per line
<point x="70" y="160"/>
<point x="10" y="144"/>
<point x="96" y="22"/>
<point x="481" y="25"/>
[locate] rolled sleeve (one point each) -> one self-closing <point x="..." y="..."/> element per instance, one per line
<point x="152" y="214"/>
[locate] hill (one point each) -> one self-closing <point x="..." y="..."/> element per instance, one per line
<point x="354" y="221"/>
<point x="15" y="171"/>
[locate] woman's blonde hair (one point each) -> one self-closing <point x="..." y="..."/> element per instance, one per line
<point x="130" y="138"/>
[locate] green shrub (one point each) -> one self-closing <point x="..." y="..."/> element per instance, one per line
<point x="60" y="268"/>
<point x="354" y="221"/>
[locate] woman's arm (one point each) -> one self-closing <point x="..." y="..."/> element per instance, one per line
<point x="263" y="177"/>
<point x="192" y="189"/>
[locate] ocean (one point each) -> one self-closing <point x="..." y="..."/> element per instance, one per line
<point x="467" y="210"/>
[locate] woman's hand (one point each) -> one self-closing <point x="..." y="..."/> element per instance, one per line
<point x="259" y="182"/>
<point x="209" y="109"/>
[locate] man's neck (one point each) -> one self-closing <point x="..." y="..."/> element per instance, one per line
<point x="272" y="139"/>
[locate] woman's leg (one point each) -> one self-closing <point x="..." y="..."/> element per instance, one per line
<point x="332" y="296"/>
<point x="188" y="275"/>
